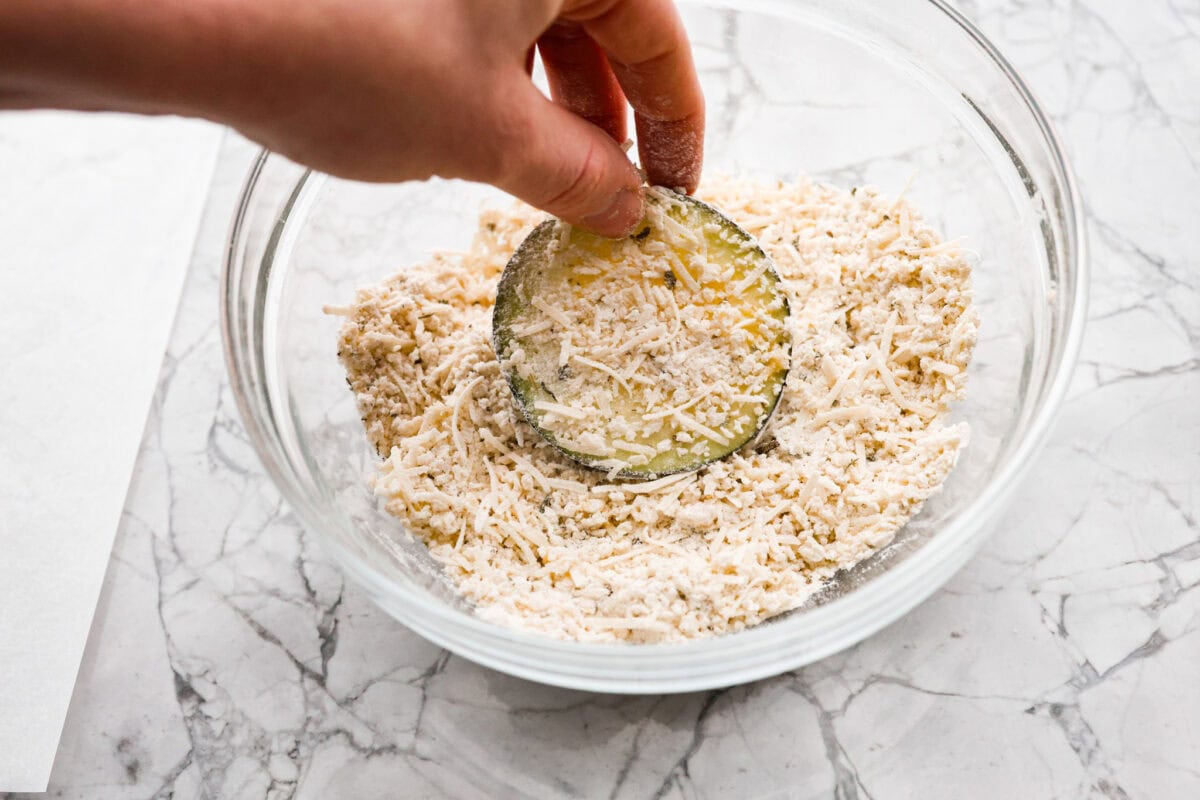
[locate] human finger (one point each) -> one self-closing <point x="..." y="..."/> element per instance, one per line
<point x="648" y="50"/>
<point x="581" y="79"/>
<point x="563" y="164"/>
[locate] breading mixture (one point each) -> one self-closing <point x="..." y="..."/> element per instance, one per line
<point x="882" y="330"/>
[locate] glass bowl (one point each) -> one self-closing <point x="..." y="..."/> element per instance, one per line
<point x="906" y="95"/>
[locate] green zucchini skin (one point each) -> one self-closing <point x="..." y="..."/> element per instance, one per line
<point x="534" y="255"/>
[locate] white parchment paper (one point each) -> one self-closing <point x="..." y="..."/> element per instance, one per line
<point x="98" y="214"/>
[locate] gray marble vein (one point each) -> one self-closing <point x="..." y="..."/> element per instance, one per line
<point x="229" y="658"/>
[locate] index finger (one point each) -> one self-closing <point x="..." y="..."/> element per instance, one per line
<point x="649" y="51"/>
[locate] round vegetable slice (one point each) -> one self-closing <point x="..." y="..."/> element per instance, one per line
<point x="650" y="355"/>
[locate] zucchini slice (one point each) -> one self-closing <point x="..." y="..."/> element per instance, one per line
<point x="644" y="356"/>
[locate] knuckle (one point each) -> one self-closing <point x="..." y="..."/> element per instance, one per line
<point x="580" y="182"/>
<point x="507" y="137"/>
<point x="587" y="10"/>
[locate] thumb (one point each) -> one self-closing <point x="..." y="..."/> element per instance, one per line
<point x="569" y="167"/>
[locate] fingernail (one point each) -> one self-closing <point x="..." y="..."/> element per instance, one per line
<point x="620" y="217"/>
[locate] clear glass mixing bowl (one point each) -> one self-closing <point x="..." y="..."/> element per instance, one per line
<point x="896" y="94"/>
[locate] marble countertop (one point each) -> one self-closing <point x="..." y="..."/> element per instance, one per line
<point x="229" y="659"/>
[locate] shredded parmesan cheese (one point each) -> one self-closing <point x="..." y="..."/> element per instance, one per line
<point x="881" y="330"/>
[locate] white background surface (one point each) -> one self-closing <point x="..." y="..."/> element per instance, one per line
<point x="97" y="220"/>
<point x="229" y="659"/>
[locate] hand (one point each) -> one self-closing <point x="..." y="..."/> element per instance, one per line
<point x="387" y="90"/>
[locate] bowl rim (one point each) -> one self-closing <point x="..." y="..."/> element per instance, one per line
<point x="625" y="666"/>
